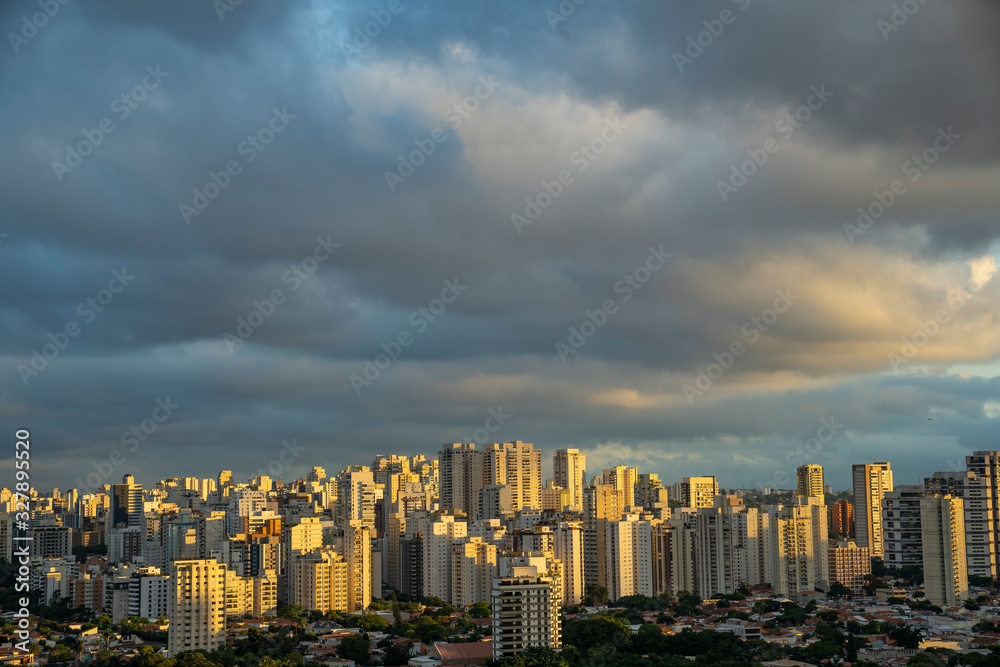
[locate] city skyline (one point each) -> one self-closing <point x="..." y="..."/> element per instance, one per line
<point x="688" y="235"/>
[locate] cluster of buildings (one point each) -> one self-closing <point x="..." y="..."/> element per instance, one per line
<point x="477" y="524"/>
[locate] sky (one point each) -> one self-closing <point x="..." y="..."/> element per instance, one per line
<point x="724" y="237"/>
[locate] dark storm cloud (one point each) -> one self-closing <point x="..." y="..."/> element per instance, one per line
<point x="323" y="177"/>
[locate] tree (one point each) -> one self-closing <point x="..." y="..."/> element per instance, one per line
<point x="925" y="660"/>
<point x="373" y="623"/>
<point x="905" y="637"/>
<point x="397" y="655"/>
<point x="972" y="605"/>
<point x="533" y="657"/>
<point x="600" y="630"/>
<point x="839" y="590"/>
<point x="356" y="648"/>
<point x="397" y="616"/>
<point x="595" y="593"/>
<point x="480" y="610"/>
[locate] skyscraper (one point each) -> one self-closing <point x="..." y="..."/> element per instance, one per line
<point x="799" y="550"/>
<point x="461" y="476"/>
<point x="699" y="491"/>
<point x="942" y="521"/>
<point x="628" y="556"/>
<point x="197" y="606"/>
<point x="624" y="479"/>
<point x="568" y="548"/>
<point x="126" y="503"/>
<point x="518" y="465"/>
<point x="849" y="564"/>
<point x="601" y="503"/>
<point x="842" y="518"/>
<point x="901" y="526"/>
<point x="982" y="513"/>
<point x="649" y="492"/>
<point x="358" y="558"/>
<point x="871" y="483"/>
<point x="569" y="470"/>
<point x="525" y="601"/>
<point x="731" y="547"/>
<point x="810" y="481"/>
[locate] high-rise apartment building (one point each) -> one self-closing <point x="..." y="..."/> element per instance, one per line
<point x="318" y="580"/>
<point x="570" y="470"/>
<point x="901" y="526"/>
<point x="674" y="554"/>
<point x="355" y="499"/>
<point x="473" y="569"/>
<point x="525" y="606"/>
<point x="849" y="565"/>
<point x="699" y="491"/>
<point x="798" y="545"/>
<point x="629" y="556"/>
<point x="982" y="513"/>
<point x="942" y="520"/>
<point x="495" y="502"/>
<point x="624" y="479"/>
<point x="461" y="477"/>
<point x="126" y="504"/>
<point x="358" y="559"/>
<point x="600" y="504"/>
<point x="437" y="541"/>
<point x="568" y="548"/>
<point x="841" y="520"/>
<point x="871" y="483"/>
<point x="731" y="547"/>
<point x="650" y="492"/>
<point x="197" y="606"/>
<point x="518" y="465"/>
<point x="810" y="481"/>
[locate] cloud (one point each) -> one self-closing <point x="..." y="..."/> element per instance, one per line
<point x="655" y="185"/>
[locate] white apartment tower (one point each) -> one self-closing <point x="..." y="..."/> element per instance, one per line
<point x="568" y="548"/>
<point x="871" y="483"/>
<point x="942" y="521"/>
<point x="569" y="470"/>
<point x="699" y="491"/>
<point x="629" y="556"/>
<point x="525" y="608"/>
<point x="197" y="606"/>
<point x="437" y="542"/>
